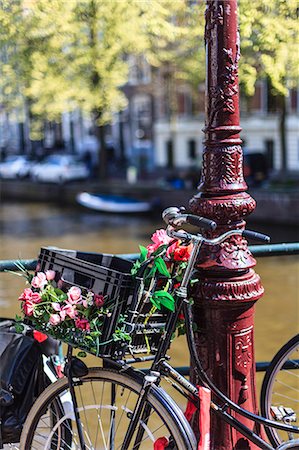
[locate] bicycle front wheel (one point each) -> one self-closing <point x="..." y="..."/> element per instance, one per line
<point x="280" y="390"/>
<point x="106" y="400"/>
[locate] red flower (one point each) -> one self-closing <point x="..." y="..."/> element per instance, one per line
<point x="182" y="253"/>
<point x="35" y="297"/>
<point x="99" y="300"/>
<point x="26" y="294"/>
<point x="83" y="324"/>
<point x="28" y="308"/>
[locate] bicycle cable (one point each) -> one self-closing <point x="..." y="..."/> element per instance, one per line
<point x="205" y="380"/>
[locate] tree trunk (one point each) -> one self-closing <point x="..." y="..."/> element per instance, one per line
<point x="102" y="151"/>
<point x="283" y="140"/>
<point x="121" y="138"/>
<point x="72" y="136"/>
<point x="58" y="135"/>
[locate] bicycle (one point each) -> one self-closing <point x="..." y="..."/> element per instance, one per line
<point x="118" y="406"/>
<point x="280" y="385"/>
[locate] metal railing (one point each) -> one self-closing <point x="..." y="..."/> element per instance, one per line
<point x="284" y="249"/>
<point x="291" y="248"/>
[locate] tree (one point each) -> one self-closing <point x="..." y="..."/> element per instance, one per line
<point x="81" y="57"/>
<point x="269" y="49"/>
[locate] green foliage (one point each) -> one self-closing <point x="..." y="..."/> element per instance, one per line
<point x="163" y="298"/>
<point x="58" y="55"/>
<point x="61" y="55"/>
<point x="269" y="43"/>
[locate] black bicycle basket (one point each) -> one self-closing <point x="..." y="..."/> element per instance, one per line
<point x="110" y="276"/>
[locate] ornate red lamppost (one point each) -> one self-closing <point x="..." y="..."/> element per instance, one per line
<point x="229" y="287"/>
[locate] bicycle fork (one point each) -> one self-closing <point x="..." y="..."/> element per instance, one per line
<point x="140" y="411"/>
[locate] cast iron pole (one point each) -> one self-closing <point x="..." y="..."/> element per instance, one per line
<point x="229" y="287"/>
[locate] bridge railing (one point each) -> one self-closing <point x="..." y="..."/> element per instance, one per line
<point x="284" y="249"/>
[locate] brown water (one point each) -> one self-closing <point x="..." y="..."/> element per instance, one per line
<point x="27" y="227"/>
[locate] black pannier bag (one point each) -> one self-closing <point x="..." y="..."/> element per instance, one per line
<point x="21" y="378"/>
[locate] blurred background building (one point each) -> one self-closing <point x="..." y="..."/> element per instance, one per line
<point x="149" y="134"/>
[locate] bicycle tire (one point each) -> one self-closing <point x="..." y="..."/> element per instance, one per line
<point x="166" y="417"/>
<point x="279" y="386"/>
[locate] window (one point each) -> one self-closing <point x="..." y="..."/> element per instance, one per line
<point x="142" y="116"/>
<point x="139" y="70"/>
<point x="192" y="149"/>
<point x="169" y="151"/>
<point x="269" y="145"/>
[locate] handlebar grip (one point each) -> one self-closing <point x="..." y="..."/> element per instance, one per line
<point x="256" y="236"/>
<point x="201" y="222"/>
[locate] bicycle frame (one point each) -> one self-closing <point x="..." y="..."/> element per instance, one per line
<point x="160" y="367"/>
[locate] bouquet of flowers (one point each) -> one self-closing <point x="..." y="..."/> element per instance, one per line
<point x="169" y="259"/>
<point x="80" y="317"/>
<point x="69" y="315"/>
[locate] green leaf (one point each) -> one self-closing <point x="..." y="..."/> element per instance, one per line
<point x="152" y="272"/>
<point x="156" y="302"/>
<point x="161" y="266"/>
<point x="159" y="250"/>
<point x="167" y="303"/>
<point x="163" y="298"/>
<point x="143" y="253"/>
<point x="82" y="354"/>
<point x="19" y="327"/>
<point x="181" y="330"/>
<point x="95" y="333"/>
<point x="136" y="266"/>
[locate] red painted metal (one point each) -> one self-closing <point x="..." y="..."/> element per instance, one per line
<point x="228" y="287"/>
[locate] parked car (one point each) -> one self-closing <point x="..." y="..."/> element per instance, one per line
<point x="59" y="169"/>
<point x="15" y="166"/>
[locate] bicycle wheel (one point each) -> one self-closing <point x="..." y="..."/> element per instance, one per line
<point x="106" y="399"/>
<point x="280" y="390"/>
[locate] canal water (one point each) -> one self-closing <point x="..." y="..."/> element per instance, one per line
<point x="24" y="228"/>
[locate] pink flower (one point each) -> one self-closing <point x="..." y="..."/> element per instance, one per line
<point x="35" y="297"/>
<point x="28" y="308"/>
<point x="39" y="280"/>
<point x="60" y="284"/>
<point x="55" y="319"/>
<point x="29" y="295"/>
<point x="99" y="300"/>
<point x="159" y="238"/>
<point x="26" y="294"/>
<point x="83" y="324"/>
<point x="170" y="250"/>
<point x="56" y="306"/>
<point x="62" y="315"/>
<point x="74" y="295"/>
<point x="50" y="275"/>
<point x="70" y="310"/>
<point x="84" y="303"/>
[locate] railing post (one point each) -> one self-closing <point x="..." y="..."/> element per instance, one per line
<point x="228" y="287"/>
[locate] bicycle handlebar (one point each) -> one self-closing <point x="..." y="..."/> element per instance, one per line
<point x="174" y="216"/>
<point x="256" y="236"/>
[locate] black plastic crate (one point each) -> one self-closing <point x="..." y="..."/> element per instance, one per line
<point x="103" y="274"/>
<point x="110" y="276"/>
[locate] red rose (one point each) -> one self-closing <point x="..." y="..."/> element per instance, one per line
<point x="99" y="300"/>
<point x="83" y="324"/>
<point x="182" y="253"/>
